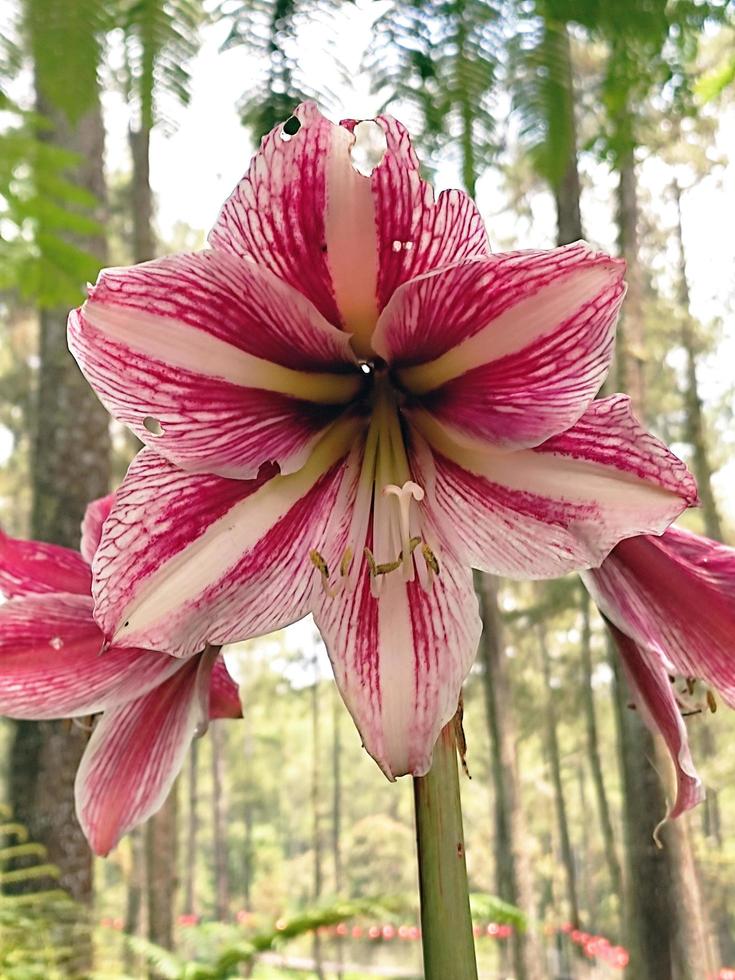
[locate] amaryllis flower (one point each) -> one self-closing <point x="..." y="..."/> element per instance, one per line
<point x="51" y="667"/>
<point x="671" y="600"/>
<point x="349" y="402"/>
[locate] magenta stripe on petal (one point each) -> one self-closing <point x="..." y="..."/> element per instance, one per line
<point x="188" y="560"/>
<point x="135" y="753"/>
<point x="675" y="594"/>
<point x="653" y="696"/>
<point x="94" y="517"/>
<point x="31" y="567"/>
<point x="224" y="694"/>
<point x="562" y="506"/>
<point x="201" y="424"/>
<point x="275" y="215"/>
<point x="416" y="233"/>
<point x="50" y="662"/>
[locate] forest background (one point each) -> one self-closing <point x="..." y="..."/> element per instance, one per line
<point x="123" y="126"/>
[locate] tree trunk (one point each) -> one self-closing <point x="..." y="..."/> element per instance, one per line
<point x="511" y="859"/>
<point x="552" y="745"/>
<point x="695" y="428"/>
<point x="144" y="243"/>
<point x="659" y="890"/>
<point x="567" y="192"/>
<point x="134" y="903"/>
<point x="631" y="329"/>
<point x="316" y="812"/>
<point x="190" y="902"/>
<point x="593" y="754"/>
<point x="161" y="834"/>
<point x="221" y="857"/>
<point x="70" y="466"/>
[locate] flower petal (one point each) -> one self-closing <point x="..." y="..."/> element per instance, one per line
<point x="213" y="361"/>
<point x="653" y="696"/>
<point x="51" y="666"/>
<point x="188" y="560"/>
<point x="656" y="590"/>
<point x="32" y="567"/>
<point x="563" y="506"/>
<point x="135" y="753"/>
<point x="400" y="660"/>
<point x="224" y="693"/>
<point x="346" y="241"/>
<point x="94" y="517"/>
<point x="507" y="350"/>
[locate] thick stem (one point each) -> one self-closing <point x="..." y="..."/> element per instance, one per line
<point x="446" y="924"/>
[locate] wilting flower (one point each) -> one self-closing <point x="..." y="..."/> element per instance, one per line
<point x="671" y="600"/>
<point x="51" y="667"/>
<point x="348" y="402"/>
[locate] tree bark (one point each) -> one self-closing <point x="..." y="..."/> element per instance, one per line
<point x="659" y="889"/>
<point x="144" y="242"/>
<point x="593" y="754"/>
<point x="513" y="872"/>
<point x="161" y="836"/>
<point x="567" y="193"/>
<point x="316" y="812"/>
<point x="552" y="745"/>
<point x="70" y="466"/>
<point x="221" y="856"/>
<point x="190" y="902"/>
<point x="695" y="427"/>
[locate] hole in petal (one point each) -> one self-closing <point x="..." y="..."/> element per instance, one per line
<point x="290" y="128"/>
<point x="57" y="643"/>
<point x="369" y="147"/>
<point x="399" y="246"/>
<point x="152" y="425"/>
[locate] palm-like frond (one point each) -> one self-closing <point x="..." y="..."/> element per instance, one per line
<point x="162" y="37"/>
<point x="441" y="60"/>
<point x="268" y="30"/>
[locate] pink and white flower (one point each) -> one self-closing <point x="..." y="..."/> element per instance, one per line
<point x="151" y="705"/>
<point x="671" y="600"/>
<point x="348" y="402"/>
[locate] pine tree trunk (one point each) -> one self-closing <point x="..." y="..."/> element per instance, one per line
<point x="161" y="837"/>
<point x="593" y="754"/>
<point x="144" y="243"/>
<point x="659" y="888"/>
<point x="695" y="427"/>
<point x="567" y="193"/>
<point x="70" y="466"/>
<point x="190" y="902"/>
<point x="134" y="897"/>
<point x="513" y="872"/>
<point x="552" y="745"/>
<point x="316" y="813"/>
<point x="221" y="856"/>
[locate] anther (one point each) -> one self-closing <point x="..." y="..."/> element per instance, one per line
<point x="430" y="558"/>
<point x="321" y="566"/>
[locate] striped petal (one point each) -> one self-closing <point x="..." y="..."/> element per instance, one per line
<point x="676" y="595"/>
<point x="213" y="361"/>
<point x="543" y="512"/>
<point x="224" y="694"/>
<point x="653" y="696"/>
<point x="94" y="517"/>
<point x="32" y="567"/>
<point x="188" y="560"/>
<point x="50" y="662"/>
<point x="399" y="659"/>
<point x="134" y="755"/>
<point x="509" y="350"/>
<point x="345" y="240"/>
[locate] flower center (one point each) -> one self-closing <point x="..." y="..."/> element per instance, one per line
<point x="385" y="529"/>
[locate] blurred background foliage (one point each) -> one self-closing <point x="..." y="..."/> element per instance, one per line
<point x="567" y="118"/>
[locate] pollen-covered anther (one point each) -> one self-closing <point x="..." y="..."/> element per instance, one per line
<point x="321" y="566"/>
